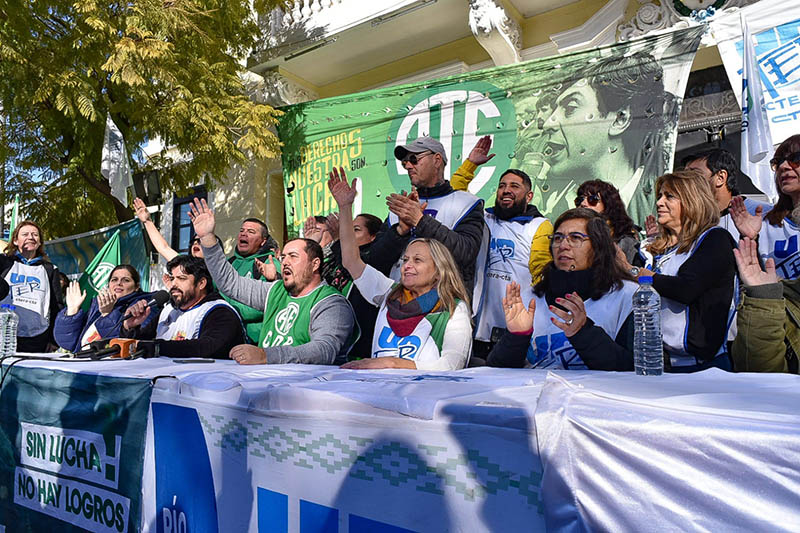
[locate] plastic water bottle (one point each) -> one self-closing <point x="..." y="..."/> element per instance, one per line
<point x="5" y="315"/>
<point x="10" y="330"/>
<point x="648" y="350"/>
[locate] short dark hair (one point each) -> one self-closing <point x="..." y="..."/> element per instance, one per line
<point x="520" y="174"/>
<point x="717" y="159"/>
<point x="321" y="219"/>
<point x="373" y="224"/>
<point x="636" y="81"/>
<point x="313" y="250"/>
<point x="131" y="270"/>
<point x="192" y="266"/>
<point x="608" y="274"/>
<point x="264" y="228"/>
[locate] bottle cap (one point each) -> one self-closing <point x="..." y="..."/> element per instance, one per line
<point x="645" y="279"/>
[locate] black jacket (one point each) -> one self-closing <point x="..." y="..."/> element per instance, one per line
<point x="40" y="342"/>
<point x="463" y="241"/>
<point x="222" y="330"/>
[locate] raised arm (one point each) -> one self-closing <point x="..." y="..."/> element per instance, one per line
<point x="158" y="241"/>
<point x="344" y="194"/>
<point x="249" y="291"/>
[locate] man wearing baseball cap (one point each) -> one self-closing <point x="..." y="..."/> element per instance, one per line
<point x="432" y="210"/>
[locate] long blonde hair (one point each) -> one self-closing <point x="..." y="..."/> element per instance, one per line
<point x="699" y="210"/>
<point x="450" y="287"/>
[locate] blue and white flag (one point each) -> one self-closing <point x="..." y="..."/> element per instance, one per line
<point x="756" y="142"/>
<point x="114" y="166"/>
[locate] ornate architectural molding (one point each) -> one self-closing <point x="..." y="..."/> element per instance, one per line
<point x="496" y="31"/>
<point x="276" y="90"/>
<point x="600" y="29"/>
<point x="657" y="15"/>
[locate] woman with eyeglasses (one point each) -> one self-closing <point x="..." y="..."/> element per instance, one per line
<point x="603" y="198"/>
<point x="581" y="314"/>
<point x="693" y="268"/>
<point x="779" y="238"/>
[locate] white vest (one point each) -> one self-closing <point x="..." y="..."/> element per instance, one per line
<point x="675" y="315"/>
<point x="506" y="261"/>
<point x="30" y="293"/>
<point x="417" y="347"/>
<point x="91" y="334"/>
<point x="550" y="347"/>
<point x="449" y="210"/>
<point x="781" y="244"/>
<point x="177" y="325"/>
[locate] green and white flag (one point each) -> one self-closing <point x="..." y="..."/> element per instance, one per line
<point x="14" y="215"/>
<point x="95" y="277"/>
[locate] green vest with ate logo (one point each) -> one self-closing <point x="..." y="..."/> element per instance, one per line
<point x="287" y="318"/>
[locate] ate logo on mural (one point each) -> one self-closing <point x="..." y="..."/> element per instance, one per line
<point x="458" y="115"/>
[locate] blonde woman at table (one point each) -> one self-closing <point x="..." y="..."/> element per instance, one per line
<point x="424" y="321"/>
<point x="693" y="268"/>
<point x="580" y="316"/>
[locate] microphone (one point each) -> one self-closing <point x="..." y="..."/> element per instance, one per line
<point x="158" y="299"/>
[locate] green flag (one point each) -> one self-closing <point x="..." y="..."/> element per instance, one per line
<point x="96" y="275"/>
<point x="14" y="215"/>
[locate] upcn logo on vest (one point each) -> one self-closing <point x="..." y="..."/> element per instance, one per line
<point x="458" y="115"/>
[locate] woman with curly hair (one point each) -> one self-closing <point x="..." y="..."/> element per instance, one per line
<point x="602" y="197"/>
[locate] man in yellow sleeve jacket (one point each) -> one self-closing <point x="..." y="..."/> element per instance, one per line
<point x="518" y="249"/>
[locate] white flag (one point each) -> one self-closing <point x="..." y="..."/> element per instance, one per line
<point x="756" y="139"/>
<point x="115" y="167"/>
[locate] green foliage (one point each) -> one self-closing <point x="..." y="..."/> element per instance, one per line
<point x="162" y="68"/>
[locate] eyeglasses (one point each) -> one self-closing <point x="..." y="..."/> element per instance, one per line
<point x="414" y="158"/>
<point x="575" y="239"/>
<point x="792" y="159"/>
<point x="591" y="199"/>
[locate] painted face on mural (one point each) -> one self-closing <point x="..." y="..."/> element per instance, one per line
<point x="584" y="142"/>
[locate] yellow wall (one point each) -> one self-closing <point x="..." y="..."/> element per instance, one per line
<point x="243" y="195"/>
<point x="535" y="30"/>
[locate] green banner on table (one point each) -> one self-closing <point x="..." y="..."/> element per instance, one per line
<point x="72" y="451"/>
<point x="609" y="113"/>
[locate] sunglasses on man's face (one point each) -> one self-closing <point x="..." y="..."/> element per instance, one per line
<point x="414" y="158"/>
<point x="792" y="159"/>
<point x="591" y="199"/>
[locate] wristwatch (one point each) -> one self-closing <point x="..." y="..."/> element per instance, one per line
<point x="635" y="271"/>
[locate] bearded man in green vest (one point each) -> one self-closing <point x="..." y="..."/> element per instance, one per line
<point x="253" y="245"/>
<point x="305" y="319"/>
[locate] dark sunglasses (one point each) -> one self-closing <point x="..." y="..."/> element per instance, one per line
<point x="792" y="159"/>
<point x="591" y="199"/>
<point x="414" y="158"/>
